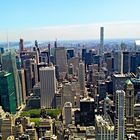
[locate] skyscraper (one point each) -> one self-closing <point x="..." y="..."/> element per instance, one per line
<point x="9" y="65"/>
<point x="61" y="59"/>
<point x="22" y="79"/>
<point x="126" y="62"/>
<point x="81" y="77"/>
<point x="28" y="75"/>
<point x="120" y="115"/>
<point x="117" y="61"/>
<point x="118" y="83"/>
<point x="129" y="90"/>
<point x="67" y="113"/>
<point x="7" y="92"/>
<point x="47" y="86"/>
<point x="70" y="53"/>
<point x="21" y="46"/>
<point x="101" y="47"/>
<point x="87" y="114"/>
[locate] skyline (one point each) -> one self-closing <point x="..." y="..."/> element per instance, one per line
<point x="68" y="20"/>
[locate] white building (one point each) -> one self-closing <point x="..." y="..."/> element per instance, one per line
<point x="47" y="86"/>
<point x="104" y="128"/>
<point x="120" y="115"/>
<point x="67" y="113"/>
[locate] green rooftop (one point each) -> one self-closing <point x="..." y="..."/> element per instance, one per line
<point x="128" y="82"/>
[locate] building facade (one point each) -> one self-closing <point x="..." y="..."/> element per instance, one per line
<point x="7" y="92"/>
<point x="47" y="86"/>
<point x="120" y="115"/>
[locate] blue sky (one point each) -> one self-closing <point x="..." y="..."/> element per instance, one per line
<point x="21" y="16"/>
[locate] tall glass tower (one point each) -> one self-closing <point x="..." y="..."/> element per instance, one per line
<point x="9" y="65"/>
<point x="7" y="92"/>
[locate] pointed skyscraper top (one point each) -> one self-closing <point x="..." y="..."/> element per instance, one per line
<point x="55" y="43"/>
<point x="128" y="84"/>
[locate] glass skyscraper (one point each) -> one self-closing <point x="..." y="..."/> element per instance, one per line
<point x="9" y="65"/>
<point x="7" y="92"/>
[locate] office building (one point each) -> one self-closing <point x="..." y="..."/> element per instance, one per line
<point x="117" y="61"/>
<point x="47" y="86"/>
<point x="89" y="58"/>
<point x="75" y="62"/>
<point x="61" y="59"/>
<point x="110" y="64"/>
<point x="67" y="113"/>
<point x="101" y="47"/>
<point x="46" y="127"/>
<point x="44" y="57"/>
<point x="57" y="74"/>
<point x="27" y="65"/>
<point x="133" y="63"/>
<point x="118" y="83"/>
<point x="58" y="99"/>
<point x="37" y="71"/>
<point x="120" y="115"/>
<point x="70" y="53"/>
<point x="81" y="77"/>
<point x="104" y="128"/>
<point x="21" y="45"/>
<point x="23" y="85"/>
<point x="67" y="94"/>
<point x="126" y="62"/>
<point x="18" y="62"/>
<point x="87" y="114"/>
<point x="84" y="50"/>
<point x="129" y="90"/>
<point x="9" y="65"/>
<point x="7" y="124"/>
<point x="101" y="90"/>
<point x="136" y="83"/>
<point x="7" y="92"/>
<point x="29" y="55"/>
<point x="137" y="127"/>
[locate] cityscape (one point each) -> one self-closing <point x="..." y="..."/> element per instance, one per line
<point x="70" y="86"/>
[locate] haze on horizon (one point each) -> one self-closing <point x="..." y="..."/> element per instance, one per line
<point x="69" y="20"/>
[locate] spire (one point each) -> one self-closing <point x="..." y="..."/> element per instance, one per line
<point x="55" y="43"/>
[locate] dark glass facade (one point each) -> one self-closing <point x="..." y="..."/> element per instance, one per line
<point x="7" y="92"/>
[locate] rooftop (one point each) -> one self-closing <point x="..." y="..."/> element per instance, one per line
<point x="104" y="121"/>
<point x="128" y="82"/>
<point x="47" y="68"/>
<point x="119" y="75"/>
<point x="87" y="99"/>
